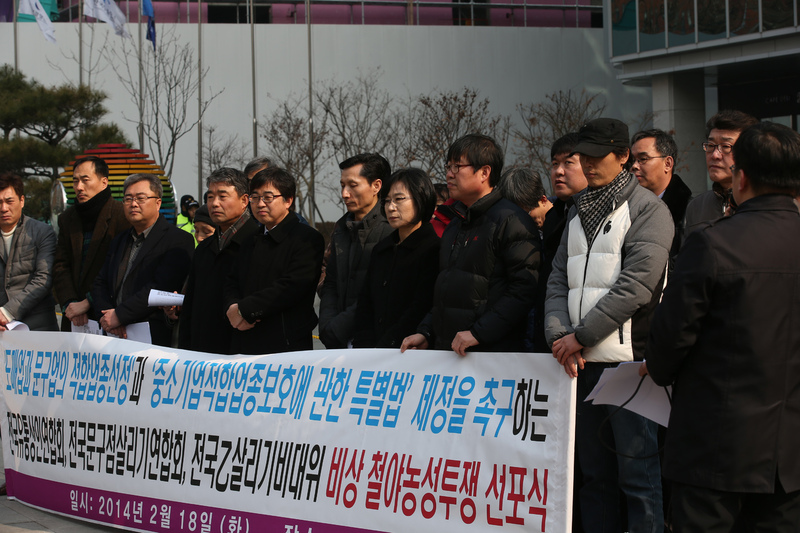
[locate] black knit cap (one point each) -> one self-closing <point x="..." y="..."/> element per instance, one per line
<point x="201" y="215"/>
<point x="597" y="138"/>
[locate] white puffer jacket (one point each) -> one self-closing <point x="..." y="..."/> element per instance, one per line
<point x="592" y="273"/>
<point x="605" y="294"/>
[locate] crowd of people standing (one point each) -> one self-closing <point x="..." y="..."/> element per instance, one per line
<point x="620" y="264"/>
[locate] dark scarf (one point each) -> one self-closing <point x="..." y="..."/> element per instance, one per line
<point x="89" y="210"/>
<point x="595" y="204"/>
<point x="726" y="196"/>
<point x="227" y="235"/>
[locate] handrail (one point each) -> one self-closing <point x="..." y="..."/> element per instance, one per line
<point x="525" y="5"/>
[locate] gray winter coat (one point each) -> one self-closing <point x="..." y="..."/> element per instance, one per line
<point x="28" y="275"/>
<point x="619" y="279"/>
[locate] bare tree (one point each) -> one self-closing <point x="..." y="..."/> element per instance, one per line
<point x="437" y="120"/>
<point x="172" y="82"/>
<point x="92" y="60"/>
<point x="361" y="117"/>
<point x="223" y="151"/>
<point x="290" y="145"/>
<point x="545" y="122"/>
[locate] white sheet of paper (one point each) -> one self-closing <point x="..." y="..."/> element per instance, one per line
<point x="650" y="402"/>
<point x="93" y="327"/>
<point x="163" y="299"/>
<point x="604" y="377"/>
<point x="139" y="331"/>
<point x="17" y="326"/>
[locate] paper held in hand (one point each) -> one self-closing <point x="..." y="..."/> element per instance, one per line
<point x="164" y="298"/>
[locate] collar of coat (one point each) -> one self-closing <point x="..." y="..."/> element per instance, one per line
<point x="768" y="202"/>
<point x="421" y="233"/>
<point x="479" y="208"/>
<point x="281" y="231"/>
<point x="370" y="219"/>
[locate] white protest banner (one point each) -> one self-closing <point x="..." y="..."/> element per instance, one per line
<point x="153" y="439"/>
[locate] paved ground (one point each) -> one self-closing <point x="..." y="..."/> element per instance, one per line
<point x="18" y="518"/>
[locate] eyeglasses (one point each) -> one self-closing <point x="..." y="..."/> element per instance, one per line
<point x="140" y="199"/>
<point x="454" y="168"/>
<point x="396" y="201"/>
<point x="641" y="160"/>
<point x="268" y="198"/>
<point x="723" y="148"/>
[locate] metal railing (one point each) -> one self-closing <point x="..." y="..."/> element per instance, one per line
<point x="414" y="10"/>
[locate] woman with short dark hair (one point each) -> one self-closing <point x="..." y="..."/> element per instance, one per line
<point x="398" y="291"/>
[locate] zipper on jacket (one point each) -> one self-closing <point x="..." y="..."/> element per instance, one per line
<point x="621" y="337"/>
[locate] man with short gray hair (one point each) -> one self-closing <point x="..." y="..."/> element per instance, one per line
<point x="153" y="254"/>
<point x="204" y="325"/>
<point x="255" y="166"/>
<point x="523" y="187"/>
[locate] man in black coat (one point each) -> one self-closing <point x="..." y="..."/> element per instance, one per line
<point x="488" y="260"/>
<point x="204" y="326"/>
<point x="567" y="179"/>
<point x="354" y="236"/>
<point x="654" y="155"/>
<point x="724" y="335"/>
<point x="85" y="231"/>
<point x="269" y="294"/>
<point x="153" y="254"/>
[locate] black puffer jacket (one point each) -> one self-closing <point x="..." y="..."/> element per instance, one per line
<point x="351" y="247"/>
<point x="487" y="281"/>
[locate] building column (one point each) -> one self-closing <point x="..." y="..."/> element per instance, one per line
<point x="679" y="108"/>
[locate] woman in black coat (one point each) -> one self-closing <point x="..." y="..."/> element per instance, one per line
<point x="269" y="295"/>
<point x="398" y="291"/>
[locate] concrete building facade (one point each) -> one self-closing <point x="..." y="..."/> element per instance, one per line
<point x="701" y="56"/>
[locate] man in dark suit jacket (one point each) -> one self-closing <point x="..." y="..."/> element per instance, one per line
<point x="85" y="231"/>
<point x="153" y="255"/>
<point x="724" y="334"/>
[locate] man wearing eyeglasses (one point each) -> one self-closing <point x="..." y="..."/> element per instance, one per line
<point x="489" y="260"/>
<point x="723" y="129"/>
<point x="153" y="254"/>
<point x="654" y="155"/>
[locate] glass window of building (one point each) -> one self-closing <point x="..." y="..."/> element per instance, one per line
<point x="651" y="25"/>
<point x="777" y="14"/>
<point x="623" y="27"/>
<point x="744" y="17"/>
<point x="680" y="20"/>
<point x="711" y="19"/>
